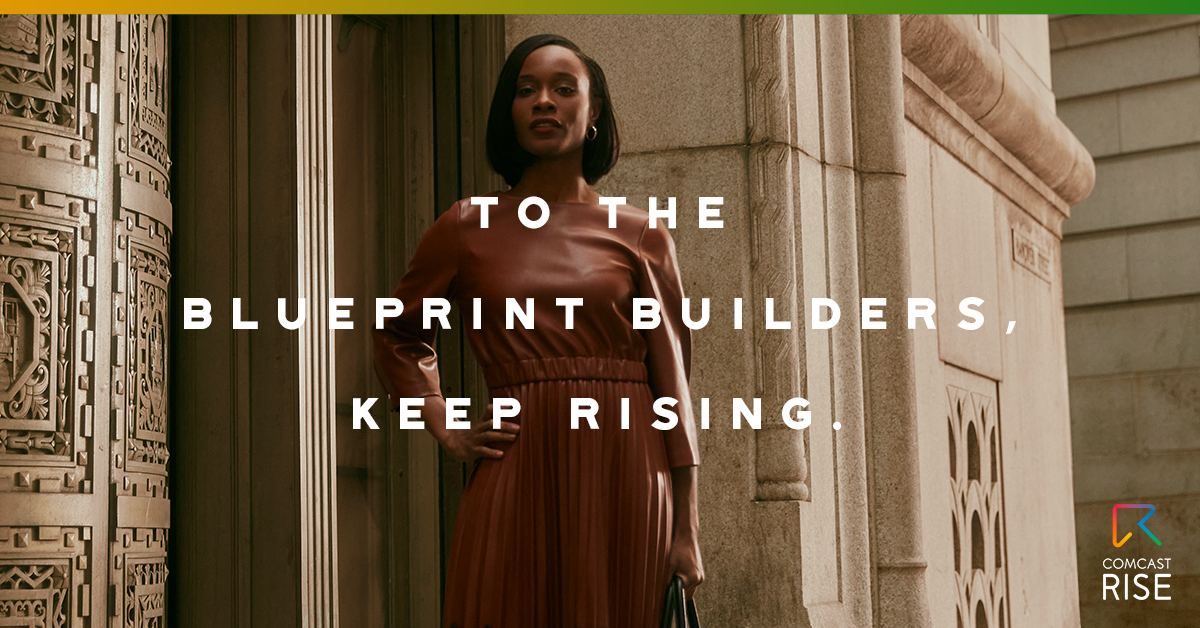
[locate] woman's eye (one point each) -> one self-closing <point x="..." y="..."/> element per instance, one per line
<point x="566" y="90"/>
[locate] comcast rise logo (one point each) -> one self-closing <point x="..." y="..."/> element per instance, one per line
<point x="1141" y="524"/>
<point x="1136" y="570"/>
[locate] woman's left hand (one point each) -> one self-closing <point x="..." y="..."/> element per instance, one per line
<point x="684" y="561"/>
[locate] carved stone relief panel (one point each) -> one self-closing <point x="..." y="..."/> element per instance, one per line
<point x="978" y="508"/>
<point x="143" y="358"/>
<point x="48" y="90"/>
<point x="45" y="426"/>
<point x="139" y="578"/>
<point x="48" y="103"/>
<point x="142" y="89"/>
<point x="45" y="576"/>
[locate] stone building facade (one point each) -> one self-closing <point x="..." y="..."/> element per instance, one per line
<point x="1129" y="87"/>
<point x="145" y="159"/>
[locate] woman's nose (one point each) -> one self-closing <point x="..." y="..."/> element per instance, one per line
<point x="544" y="101"/>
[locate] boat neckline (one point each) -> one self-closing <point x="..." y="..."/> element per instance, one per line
<point x="520" y="198"/>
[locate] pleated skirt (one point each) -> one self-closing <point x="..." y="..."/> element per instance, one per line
<point x="571" y="528"/>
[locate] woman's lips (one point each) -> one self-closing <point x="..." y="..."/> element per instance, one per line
<point x="545" y="126"/>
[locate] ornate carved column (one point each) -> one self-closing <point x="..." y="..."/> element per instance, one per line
<point x="141" y="260"/>
<point x="780" y="465"/>
<point x="85" y="231"/>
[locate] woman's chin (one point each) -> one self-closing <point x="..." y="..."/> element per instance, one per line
<point x="548" y="151"/>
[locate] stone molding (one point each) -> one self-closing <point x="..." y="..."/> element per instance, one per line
<point x="951" y="51"/>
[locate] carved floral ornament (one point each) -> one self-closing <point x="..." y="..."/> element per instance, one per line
<point x="145" y="593"/>
<point x="38" y="68"/>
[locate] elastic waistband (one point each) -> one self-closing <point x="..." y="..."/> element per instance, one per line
<point x="548" y="369"/>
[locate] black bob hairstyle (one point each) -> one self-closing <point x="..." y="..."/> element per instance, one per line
<point x="505" y="153"/>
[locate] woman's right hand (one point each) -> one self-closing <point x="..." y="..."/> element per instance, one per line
<point x="470" y="444"/>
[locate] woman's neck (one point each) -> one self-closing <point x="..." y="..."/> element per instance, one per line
<point x="558" y="181"/>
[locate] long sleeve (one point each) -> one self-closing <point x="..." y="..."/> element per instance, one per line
<point x="405" y="359"/>
<point x="669" y="346"/>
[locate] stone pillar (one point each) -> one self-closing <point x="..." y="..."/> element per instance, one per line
<point x="888" y="353"/>
<point x="842" y="358"/>
<point x="315" y="368"/>
<point x="85" y="237"/>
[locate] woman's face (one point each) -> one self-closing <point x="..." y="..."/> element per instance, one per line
<point x="552" y="109"/>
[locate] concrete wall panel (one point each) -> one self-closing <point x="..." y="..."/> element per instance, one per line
<point x="1161" y="115"/>
<point x="1128" y="339"/>
<point x="1095" y="270"/>
<point x="1095" y="120"/>
<point x="1160" y="259"/>
<point x="1127" y="62"/>
<point x="965" y="249"/>
<point x="1141" y="189"/>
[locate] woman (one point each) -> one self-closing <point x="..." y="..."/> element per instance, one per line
<point x="578" y="528"/>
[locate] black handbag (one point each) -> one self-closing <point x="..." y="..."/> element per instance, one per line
<point x="677" y="612"/>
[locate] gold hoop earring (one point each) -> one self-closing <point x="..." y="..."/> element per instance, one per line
<point x="591" y="133"/>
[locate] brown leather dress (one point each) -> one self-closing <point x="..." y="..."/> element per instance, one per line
<point x="571" y="528"/>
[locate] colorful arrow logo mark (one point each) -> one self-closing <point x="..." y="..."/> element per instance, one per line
<point x="1141" y="524"/>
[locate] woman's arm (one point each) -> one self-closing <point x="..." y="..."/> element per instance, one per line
<point x="405" y="359"/>
<point x="684" y="557"/>
<point x="669" y="344"/>
<point x="668" y="361"/>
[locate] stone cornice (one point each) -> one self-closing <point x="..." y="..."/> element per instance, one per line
<point x="951" y="51"/>
<point x="935" y="113"/>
